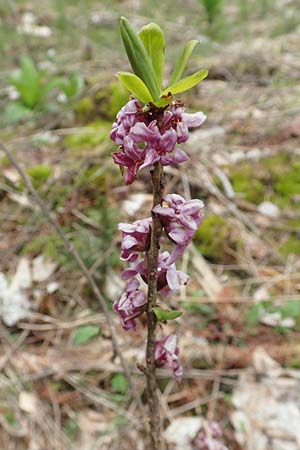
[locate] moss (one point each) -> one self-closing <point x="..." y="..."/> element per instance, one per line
<point x="291" y="245"/>
<point x="39" y="174"/>
<point x="293" y="223"/>
<point x="276" y="165"/>
<point x="111" y="99"/>
<point x="212" y="236"/>
<point x="4" y="162"/>
<point x="290" y="183"/>
<point x="294" y="363"/>
<point x="90" y="136"/>
<point x="246" y="182"/>
<point x="284" y="169"/>
<point x="85" y="109"/>
<point x="277" y="176"/>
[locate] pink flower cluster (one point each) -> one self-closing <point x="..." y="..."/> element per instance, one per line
<point x="209" y="437"/>
<point x="130" y="305"/>
<point x="180" y="219"/>
<point x="145" y="138"/>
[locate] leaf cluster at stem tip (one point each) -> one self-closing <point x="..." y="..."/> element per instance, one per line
<point x="146" y="51"/>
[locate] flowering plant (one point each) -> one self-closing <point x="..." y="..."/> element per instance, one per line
<point x="209" y="437"/>
<point x="147" y="131"/>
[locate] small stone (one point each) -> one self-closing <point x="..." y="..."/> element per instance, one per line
<point x="134" y="203"/>
<point x="261" y="294"/>
<point x="271" y="319"/>
<point x="52" y="287"/>
<point x="28" y="402"/>
<point x="269" y="209"/>
<point x="42" y="269"/>
<point x="254" y="155"/>
<point x="237" y="156"/>
<point x="288" y="322"/>
<point x="181" y="431"/>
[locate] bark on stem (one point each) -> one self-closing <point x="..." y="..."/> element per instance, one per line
<point x="157" y="182"/>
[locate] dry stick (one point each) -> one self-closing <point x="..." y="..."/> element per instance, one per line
<point x="72" y="250"/>
<point x="152" y="258"/>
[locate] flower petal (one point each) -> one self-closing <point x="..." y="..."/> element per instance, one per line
<point x="151" y="158"/>
<point x="193" y="120"/>
<point x="177" y="157"/>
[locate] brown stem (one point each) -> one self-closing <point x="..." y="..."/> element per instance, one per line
<point x="157" y="181"/>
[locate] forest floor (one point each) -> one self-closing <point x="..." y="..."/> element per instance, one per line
<point x="61" y="385"/>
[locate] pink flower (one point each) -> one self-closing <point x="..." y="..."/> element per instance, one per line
<point x="130" y="305"/>
<point x="168" y="277"/>
<point x="135" y="238"/>
<point x="129" y="154"/>
<point x="166" y="355"/>
<point x="143" y="142"/>
<point x="131" y="157"/>
<point x="209" y="437"/>
<point x="182" y="121"/>
<point x="159" y="145"/>
<point x="126" y="118"/>
<point x="180" y="218"/>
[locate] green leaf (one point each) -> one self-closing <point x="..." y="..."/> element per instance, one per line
<point x="54" y="82"/>
<point x="183" y="60"/>
<point x="27" y="81"/>
<point x="70" y="86"/>
<point x="254" y="314"/>
<point x="186" y="83"/>
<point x="85" y="333"/>
<point x="119" y="383"/>
<point x="165" y="314"/>
<point x="290" y="309"/>
<point x="153" y="39"/>
<point x="75" y="85"/>
<point x="15" y="112"/>
<point x="135" y="85"/>
<point x="138" y="57"/>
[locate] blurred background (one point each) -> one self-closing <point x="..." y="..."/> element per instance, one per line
<point x="61" y="386"/>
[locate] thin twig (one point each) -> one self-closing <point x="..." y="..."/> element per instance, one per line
<point x="72" y="250"/>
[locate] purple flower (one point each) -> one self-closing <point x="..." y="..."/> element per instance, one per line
<point x="182" y="121"/>
<point x="166" y="355"/>
<point x="131" y="157"/>
<point x="130" y="305"/>
<point x="180" y="218"/>
<point x="135" y="238"/>
<point x="158" y="145"/>
<point x="143" y="142"/>
<point x="129" y="154"/>
<point x="168" y="277"/>
<point x="209" y="437"/>
<point x="126" y="118"/>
